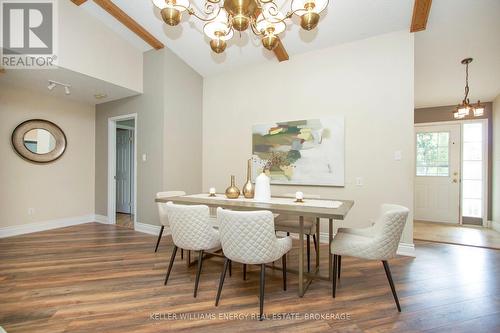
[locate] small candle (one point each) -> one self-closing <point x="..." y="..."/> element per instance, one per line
<point x="211" y="191"/>
<point x="299" y="196"/>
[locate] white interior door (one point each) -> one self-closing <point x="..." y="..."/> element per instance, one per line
<point x="437" y="181"/>
<point x="124" y="171"/>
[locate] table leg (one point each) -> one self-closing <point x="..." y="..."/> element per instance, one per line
<point x="301" y="256"/>
<point x="317" y="242"/>
<point x="330" y="237"/>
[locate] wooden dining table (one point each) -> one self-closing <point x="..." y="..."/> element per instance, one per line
<point x="319" y="209"/>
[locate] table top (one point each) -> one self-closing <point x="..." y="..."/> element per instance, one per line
<point x="323" y="208"/>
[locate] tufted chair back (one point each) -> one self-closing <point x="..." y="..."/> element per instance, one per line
<point x="191" y="228"/>
<point x="162" y="206"/>
<point x="249" y="238"/>
<point x="388" y="229"/>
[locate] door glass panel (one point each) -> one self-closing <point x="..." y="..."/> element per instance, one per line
<point x="472" y="164"/>
<point x="433" y="154"/>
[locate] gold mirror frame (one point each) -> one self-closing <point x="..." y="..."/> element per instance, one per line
<point x="24" y="127"/>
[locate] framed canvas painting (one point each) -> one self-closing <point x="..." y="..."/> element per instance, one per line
<point x="300" y="152"/>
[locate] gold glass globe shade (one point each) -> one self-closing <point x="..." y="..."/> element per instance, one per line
<point x="309" y="20"/>
<point x="240" y="22"/>
<point x="171" y="16"/>
<point x="270" y="41"/>
<point x="218" y="45"/>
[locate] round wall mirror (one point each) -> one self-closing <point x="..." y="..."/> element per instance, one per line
<point x="39" y="141"/>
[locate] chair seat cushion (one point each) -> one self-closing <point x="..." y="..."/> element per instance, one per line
<point x="291" y="224"/>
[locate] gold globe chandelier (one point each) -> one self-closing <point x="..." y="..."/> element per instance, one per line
<point x="465" y="108"/>
<point x="263" y="17"/>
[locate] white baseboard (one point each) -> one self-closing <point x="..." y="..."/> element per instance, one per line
<point x="44" y="225"/>
<point x="101" y="219"/>
<point x="404" y="249"/>
<point x="150" y="229"/>
<point x="495" y="225"/>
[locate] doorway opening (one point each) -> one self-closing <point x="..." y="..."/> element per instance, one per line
<point x="122" y="170"/>
<point x="451" y="182"/>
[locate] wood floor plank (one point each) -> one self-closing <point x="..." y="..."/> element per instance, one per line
<point x="104" y="278"/>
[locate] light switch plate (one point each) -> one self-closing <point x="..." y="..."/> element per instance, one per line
<point x="397" y="155"/>
<point x="359" y="181"/>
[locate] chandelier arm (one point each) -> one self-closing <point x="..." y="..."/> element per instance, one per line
<point x="256" y="32"/>
<point x="193" y="13"/>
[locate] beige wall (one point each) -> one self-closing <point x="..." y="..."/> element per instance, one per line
<point x="182" y="134"/>
<point x="370" y="82"/>
<point x="88" y="46"/>
<point x="168" y="132"/>
<point x="496" y="163"/>
<point x="62" y="189"/>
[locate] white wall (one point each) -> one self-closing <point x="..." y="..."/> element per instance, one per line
<point x="63" y="189"/>
<point x="496" y="164"/>
<point x="370" y="82"/>
<point x="88" y="46"/>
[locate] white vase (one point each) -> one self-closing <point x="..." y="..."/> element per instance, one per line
<point x="262" y="188"/>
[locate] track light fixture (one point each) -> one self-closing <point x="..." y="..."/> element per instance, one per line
<point x="53" y="84"/>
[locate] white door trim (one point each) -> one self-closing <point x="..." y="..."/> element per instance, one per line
<point x="112" y="166"/>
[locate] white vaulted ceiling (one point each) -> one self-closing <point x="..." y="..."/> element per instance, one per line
<point x="344" y="21"/>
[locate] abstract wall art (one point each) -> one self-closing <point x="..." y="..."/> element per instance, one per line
<point x="300" y="152"/>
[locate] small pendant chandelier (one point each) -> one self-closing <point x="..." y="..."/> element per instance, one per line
<point x="465" y="109"/>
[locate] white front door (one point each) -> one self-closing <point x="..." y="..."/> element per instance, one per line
<point x="124" y="171"/>
<point x="437" y="181"/>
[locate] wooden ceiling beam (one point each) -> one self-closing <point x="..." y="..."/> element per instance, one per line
<point x="280" y="52"/>
<point x="78" y="2"/>
<point x="130" y="23"/>
<point x="421" y="10"/>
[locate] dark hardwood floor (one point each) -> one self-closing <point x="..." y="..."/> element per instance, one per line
<point x="104" y="278"/>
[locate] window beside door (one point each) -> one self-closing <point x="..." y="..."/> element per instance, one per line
<point x="472" y="166"/>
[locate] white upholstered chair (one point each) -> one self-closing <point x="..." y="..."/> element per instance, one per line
<point x="162" y="212"/>
<point x="249" y="238"/>
<point x="191" y="230"/>
<point x="290" y="224"/>
<point x="378" y="242"/>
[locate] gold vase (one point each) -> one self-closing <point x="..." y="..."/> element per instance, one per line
<point x="249" y="188"/>
<point x="232" y="192"/>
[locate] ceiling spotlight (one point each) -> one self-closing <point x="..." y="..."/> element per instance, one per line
<point x="66" y="90"/>
<point x="51" y="85"/>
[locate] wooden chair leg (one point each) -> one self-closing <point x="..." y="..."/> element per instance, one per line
<point x="159" y="238"/>
<point x="391" y="283"/>
<point x="172" y="258"/>
<point x="221" y="280"/>
<point x="230" y="268"/>
<point x="283" y="263"/>
<point x="340" y="266"/>
<point x="182" y="254"/>
<point x="308" y="247"/>
<point x="262" y="288"/>
<point x="244" y="272"/>
<point x="334" y="275"/>
<point x="198" y="273"/>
